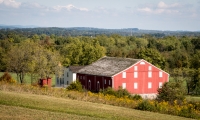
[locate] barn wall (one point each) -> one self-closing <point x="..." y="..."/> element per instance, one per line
<point x="142" y="79"/>
<point x="93" y="82"/>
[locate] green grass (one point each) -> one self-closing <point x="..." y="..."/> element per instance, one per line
<point x="193" y="98"/>
<point x="28" y="106"/>
<point x="21" y="113"/>
<point x="27" y="78"/>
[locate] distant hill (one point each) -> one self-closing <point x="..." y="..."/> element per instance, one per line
<point x="89" y="31"/>
<point x="16" y="26"/>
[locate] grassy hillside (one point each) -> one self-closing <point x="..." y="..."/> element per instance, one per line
<point x="28" y="106"/>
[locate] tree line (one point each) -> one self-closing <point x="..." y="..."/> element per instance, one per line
<point x="39" y="54"/>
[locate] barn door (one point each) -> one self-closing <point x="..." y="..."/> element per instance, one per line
<point x="98" y="86"/>
<point x="89" y="85"/>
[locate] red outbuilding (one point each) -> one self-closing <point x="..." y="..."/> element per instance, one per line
<point x="136" y="75"/>
<point x="45" y="82"/>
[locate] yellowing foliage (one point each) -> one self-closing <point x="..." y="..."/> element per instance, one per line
<point x="6" y="77"/>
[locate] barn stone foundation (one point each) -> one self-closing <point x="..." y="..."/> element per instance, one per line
<point x="148" y="96"/>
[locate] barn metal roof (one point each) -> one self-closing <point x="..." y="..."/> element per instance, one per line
<point x="108" y="66"/>
<point x="74" y="69"/>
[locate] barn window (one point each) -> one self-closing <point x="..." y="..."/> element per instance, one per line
<point x="123" y="74"/>
<point x="61" y="80"/>
<point x="150" y="68"/>
<point x="135" y="68"/>
<point x="67" y="82"/>
<point x="160" y="74"/>
<point x="67" y="74"/>
<point x="149" y="85"/>
<point x="149" y="74"/>
<point x="105" y="81"/>
<point x="160" y="85"/>
<point x="135" y="74"/>
<point x="135" y="85"/>
<point x="123" y="85"/>
<point x="142" y="63"/>
<point x="109" y="82"/>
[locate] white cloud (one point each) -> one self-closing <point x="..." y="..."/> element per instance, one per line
<point x="36" y="5"/>
<point x="69" y="8"/>
<point x="160" y="8"/>
<point x="10" y="3"/>
<point x="146" y="9"/>
<point x="1" y="1"/>
<point x="164" y="5"/>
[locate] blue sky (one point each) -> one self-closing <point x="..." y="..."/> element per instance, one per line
<point x="142" y="14"/>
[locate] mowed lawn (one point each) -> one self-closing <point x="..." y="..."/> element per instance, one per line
<point x="28" y="106"/>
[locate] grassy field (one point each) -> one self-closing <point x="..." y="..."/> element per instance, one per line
<point x="28" y="106"/>
<point x="193" y="98"/>
<point x="27" y="78"/>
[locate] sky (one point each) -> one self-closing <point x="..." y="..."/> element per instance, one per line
<point x="110" y="14"/>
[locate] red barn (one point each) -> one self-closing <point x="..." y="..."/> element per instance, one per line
<point x="136" y="75"/>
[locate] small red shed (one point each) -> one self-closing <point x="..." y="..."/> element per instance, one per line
<point x="45" y="82"/>
<point x="136" y="75"/>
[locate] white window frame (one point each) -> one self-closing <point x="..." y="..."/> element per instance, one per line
<point x="160" y="84"/>
<point x="135" y="74"/>
<point x="135" y="85"/>
<point x="123" y="85"/>
<point x="160" y="74"/>
<point x="150" y="74"/>
<point x="135" y="68"/>
<point x="142" y="63"/>
<point x="149" y="85"/>
<point x="123" y="74"/>
<point x="150" y="68"/>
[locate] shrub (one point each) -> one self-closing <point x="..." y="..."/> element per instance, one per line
<point x="75" y="86"/>
<point x="135" y="97"/>
<point x="108" y="91"/>
<point x="146" y="105"/>
<point x="6" y="77"/>
<point x="122" y="92"/>
<point x="118" y="93"/>
<point x="171" y="91"/>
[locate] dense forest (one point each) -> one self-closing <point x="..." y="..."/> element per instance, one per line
<point x="37" y="51"/>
